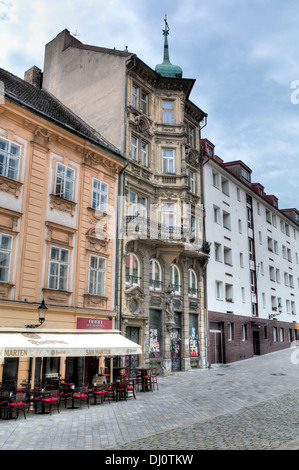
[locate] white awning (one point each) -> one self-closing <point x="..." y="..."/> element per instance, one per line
<point x="59" y="343"/>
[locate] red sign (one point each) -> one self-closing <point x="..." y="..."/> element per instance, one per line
<point x="94" y="324"/>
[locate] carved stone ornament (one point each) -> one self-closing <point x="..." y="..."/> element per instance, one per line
<point x="62" y="204"/>
<point x="10" y="186"/>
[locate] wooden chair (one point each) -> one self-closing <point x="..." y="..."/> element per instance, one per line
<point x="131" y="388"/>
<point x="147" y="380"/>
<point x="4" y="400"/>
<point x="138" y="380"/>
<point x="82" y="395"/>
<point x="154" y="378"/>
<point x="18" y="403"/>
<point x="52" y="398"/>
<point x="35" y="398"/>
<point x="121" y="391"/>
<point x="102" y="392"/>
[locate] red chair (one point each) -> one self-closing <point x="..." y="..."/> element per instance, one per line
<point x="131" y="388"/>
<point x="121" y="391"/>
<point x="52" y="398"/>
<point x="81" y="395"/>
<point x="35" y="397"/>
<point x="154" y="378"/>
<point x="18" y="403"/>
<point x="102" y="392"/>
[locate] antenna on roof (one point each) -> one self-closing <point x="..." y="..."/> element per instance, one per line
<point x="76" y="33"/>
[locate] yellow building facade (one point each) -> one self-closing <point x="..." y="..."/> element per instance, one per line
<point x="57" y="179"/>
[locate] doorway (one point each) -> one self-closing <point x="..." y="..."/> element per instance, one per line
<point x="216" y="346"/>
<point x="132" y="333"/>
<point x="175" y="344"/>
<point x="256" y="343"/>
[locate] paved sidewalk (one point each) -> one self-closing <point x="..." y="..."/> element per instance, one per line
<point x="252" y="404"/>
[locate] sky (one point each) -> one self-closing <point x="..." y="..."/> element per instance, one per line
<point x="244" y="55"/>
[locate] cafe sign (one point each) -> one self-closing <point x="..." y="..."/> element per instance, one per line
<point x="73" y="344"/>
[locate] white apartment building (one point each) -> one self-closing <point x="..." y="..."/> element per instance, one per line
<point x="253" y="272"/>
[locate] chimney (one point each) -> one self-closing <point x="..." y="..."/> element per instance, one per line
<point x="34" y="76"/>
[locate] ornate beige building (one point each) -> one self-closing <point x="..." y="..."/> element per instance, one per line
<point x="54" y="171"/>
<point x="160" y="286"/>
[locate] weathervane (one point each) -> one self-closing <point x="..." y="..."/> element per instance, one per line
<point x="166" y="30"/>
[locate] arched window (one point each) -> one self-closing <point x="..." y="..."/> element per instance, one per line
<point x="192" y="283"/>
<point x="175" y="279"/>
<point x="155" y="275"/>
<point x="132" y="270"/>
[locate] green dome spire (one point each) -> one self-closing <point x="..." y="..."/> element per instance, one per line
<point x="167" y="69"/>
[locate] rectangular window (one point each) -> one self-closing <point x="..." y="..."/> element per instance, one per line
<point x="167" y="112"/>
<point x="64" y="181"/>
<point x="134" y="96"/>
<point x="134" y="148"/>
<point x="216" y="180"/>
<point x="218" y="256"/>
<point x="138" y="205"/>
<point x="97" y="274"/>
<point x="217" y="214"/>
<point x="168" y="161"/>
<point x="99" y="199"/>
<point x="144" y="153"/>
<point x="5" y="256"/>
<point x="169" y="214"/>
<point x="144" y="102"/>
<point x="192" y="181"/>
<point x="226" y="220"/>
<point x="58" y="268"/>
<point x="9" y="159"/>
<point x="219" y="290"/>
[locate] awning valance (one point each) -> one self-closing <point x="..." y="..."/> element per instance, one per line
<point x="68" y="343"/>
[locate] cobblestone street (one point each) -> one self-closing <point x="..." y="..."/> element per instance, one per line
<point x="252" y="404"/>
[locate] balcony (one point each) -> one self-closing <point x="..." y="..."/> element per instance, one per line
<point x="141" y="228"/>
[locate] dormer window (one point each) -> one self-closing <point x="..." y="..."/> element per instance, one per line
<point x="245" y="174"/>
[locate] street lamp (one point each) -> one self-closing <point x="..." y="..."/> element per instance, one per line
<point x="42" y="310"/>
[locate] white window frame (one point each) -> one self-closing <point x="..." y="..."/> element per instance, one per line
<point x="192" y="283"/>
<point x="60" y="264"/>
<point x="134" y="148"/>
<point x="65" y="181"/>
<point x="168" y="161"/>
<point x="155" y="275"/>
<point x="168" y="214"/>
<point x="97" y="275"/>
<point x="5" y="255"/>
<point x="134" y="279"/>
<point x="167" y="111"/>
<point x="175" y="272"/>
<point x="11" y="153"/>
<point x="99" y="195"/>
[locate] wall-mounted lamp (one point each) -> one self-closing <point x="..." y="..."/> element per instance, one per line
<point x="42" y="310"/>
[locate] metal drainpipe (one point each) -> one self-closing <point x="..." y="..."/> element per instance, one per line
<point x="205" y="269"/>
<point x="120" y="263"/>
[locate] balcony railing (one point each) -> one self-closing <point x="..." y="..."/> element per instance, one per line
<point x="145" y="228"/>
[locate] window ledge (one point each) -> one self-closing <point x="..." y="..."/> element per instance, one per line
<point x="64" y="205"/>
<point x="10" y="186"/>
<point x="94" y="301"/>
